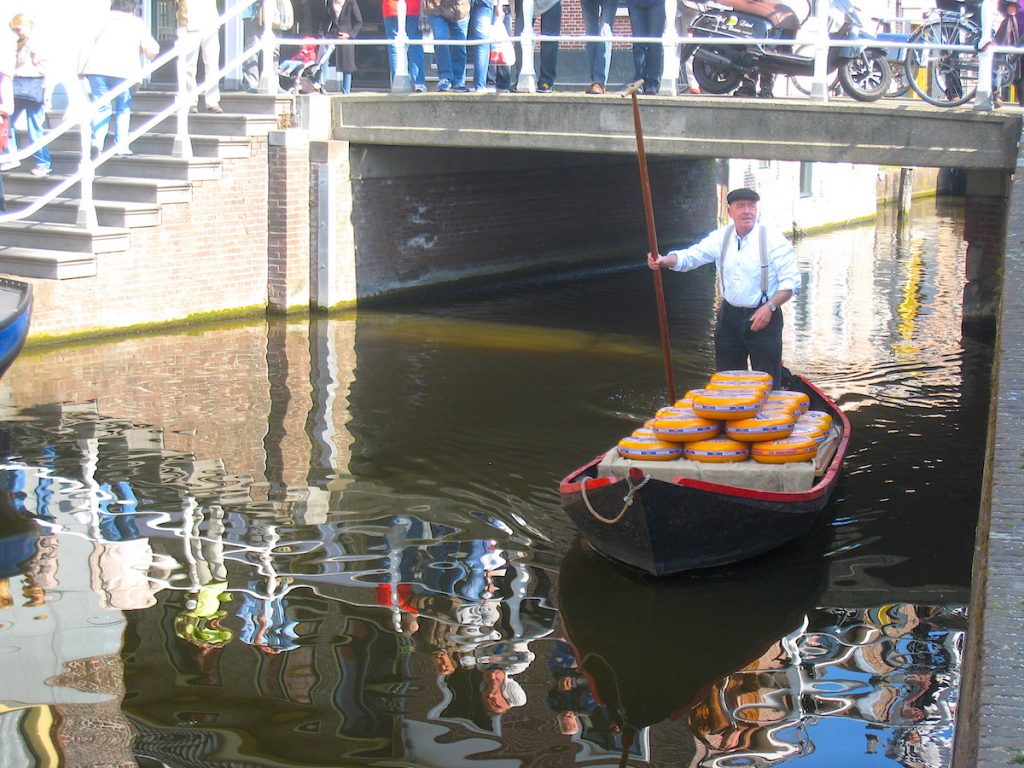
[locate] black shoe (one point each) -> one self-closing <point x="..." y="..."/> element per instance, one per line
<point x="747" y="90"/>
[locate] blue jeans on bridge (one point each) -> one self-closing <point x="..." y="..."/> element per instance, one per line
<point x="450" y="59"/>
<point x="648" y="58"/>
<point x="550" y="26"/>
<point x="415" y="52"/>
<point x="120" y="110"/>
<point x="481" y="15"/>
<point x="35" y="119"/>
<point x="598" y="18"/>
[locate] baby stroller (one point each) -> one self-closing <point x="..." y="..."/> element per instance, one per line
<point x="302" y="72"/>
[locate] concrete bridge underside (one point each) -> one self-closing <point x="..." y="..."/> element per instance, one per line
<point x="882" y="133"/>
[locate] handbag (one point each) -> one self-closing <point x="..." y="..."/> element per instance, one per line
<point x="5" y="131"/>
<point x="503" y="53"/>
<point x="29" y="89"/>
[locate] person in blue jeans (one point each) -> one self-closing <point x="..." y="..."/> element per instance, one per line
<point x="550" y="26"/>
<point x="449" y="20"/>
<point x="412" y="31"/>
<point x="30" y="63"/>
<point x="647" y="19"/>
<point x="598" y="17"/>
<point x="481" y="15"/>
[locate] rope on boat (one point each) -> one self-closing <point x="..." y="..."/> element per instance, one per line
<point x="627" y="501"/>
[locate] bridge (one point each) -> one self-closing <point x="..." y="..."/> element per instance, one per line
<point x="881" y="133"/>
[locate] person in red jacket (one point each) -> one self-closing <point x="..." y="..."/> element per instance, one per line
<point x="412" y="31"/>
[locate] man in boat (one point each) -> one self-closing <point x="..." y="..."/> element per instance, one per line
<point x="757" y="274"/>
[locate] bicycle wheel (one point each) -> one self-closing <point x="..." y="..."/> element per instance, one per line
<point x="943" y="76"/>
<point x="900" y="85"/>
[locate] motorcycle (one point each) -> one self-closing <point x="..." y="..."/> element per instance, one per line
<point x="863" y="71"/>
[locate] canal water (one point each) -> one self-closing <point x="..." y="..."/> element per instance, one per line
<point x="337" y="541"/>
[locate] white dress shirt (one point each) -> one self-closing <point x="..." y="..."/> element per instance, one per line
<point x="741" y="280"/>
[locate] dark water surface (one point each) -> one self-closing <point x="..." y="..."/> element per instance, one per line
<point x="337" y="542"/>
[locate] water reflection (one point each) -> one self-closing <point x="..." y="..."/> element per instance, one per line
<point x="338" y="542"/>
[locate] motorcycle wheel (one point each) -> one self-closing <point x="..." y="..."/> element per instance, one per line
<point x="866" y="77"/>
<point x="713" y="79"/>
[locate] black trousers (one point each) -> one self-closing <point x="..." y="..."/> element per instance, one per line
<point x="735" y="343"/>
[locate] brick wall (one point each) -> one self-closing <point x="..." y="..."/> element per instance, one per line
<point x="572" y="24"/>
<point x="178" y="268"/>
<point x="420" y="229"/>
<point x="288" y="220"/>
<point x="985" y="224"/>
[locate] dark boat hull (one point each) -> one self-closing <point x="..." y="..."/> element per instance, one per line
<point x="15" y="313"/>
<point x="671" y="527"/>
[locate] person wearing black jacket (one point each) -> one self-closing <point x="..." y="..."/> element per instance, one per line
<point x="341" y="19"/>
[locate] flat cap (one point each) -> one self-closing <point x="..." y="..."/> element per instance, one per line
<point x="743" y="193"/>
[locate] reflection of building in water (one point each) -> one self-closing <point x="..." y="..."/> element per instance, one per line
<point x="241" y="623"/>
<point x="894" y="668"/>
<point x="299" y="374"/>
<point x="844" y="318"/>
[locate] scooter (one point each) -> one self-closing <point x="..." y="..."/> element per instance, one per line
<point x="863" y="71"/>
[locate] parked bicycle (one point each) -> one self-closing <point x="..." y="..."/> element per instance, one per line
<point x="947" y="74"/>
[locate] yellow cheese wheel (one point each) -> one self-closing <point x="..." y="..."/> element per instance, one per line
<point x="781" y="407"/>
<point x="644" y="431"/>
<point x="759" y="386"/>
<point x="771" y="425"/>
<point x="818" y="416"/>
<point x="784" y="451"/>
<point x="684" y="403"/>
<point x="717" y="450"/>
<point x="684" y="426"/>
<point x="726" y="404"/>
<point x="648" y="449"/>
<point x="813" y="430"/>
<point x="800" y="399"/>
<point x="742" y="376"/>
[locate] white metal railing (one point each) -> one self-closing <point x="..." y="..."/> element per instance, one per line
<point x="81" y="111"/>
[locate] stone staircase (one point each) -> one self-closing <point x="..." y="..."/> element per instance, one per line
<point x="129" y="192"/>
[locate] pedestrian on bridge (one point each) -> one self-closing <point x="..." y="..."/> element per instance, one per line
<point x="757" y="274"/>
<point x="198" y="25"/>
<point x="414" y="52"/>
<point x="449" y="20"/>
<point x="550" y="12"/>
<point x="647" y="19"/>
<point x="598" y="18"/>
<point x="341" y="19"/>
<point x="112" y="58"/>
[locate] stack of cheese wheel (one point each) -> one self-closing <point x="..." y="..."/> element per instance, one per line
<point x="648" y="448"/>
<point x="766" y="425"/>
<point x="682" y="425"/>
<point x="770" y="426"/>
<point x="726" y="404"/>
<point x="717" y="450"/>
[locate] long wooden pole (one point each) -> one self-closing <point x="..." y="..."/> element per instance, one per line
<point x="652" y="239"/>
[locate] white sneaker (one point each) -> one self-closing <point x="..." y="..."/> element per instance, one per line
<point x="41" y="170"/>
<point x="10" y="165"/>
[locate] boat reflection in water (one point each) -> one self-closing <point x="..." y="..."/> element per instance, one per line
<point x="745" y="663"/>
